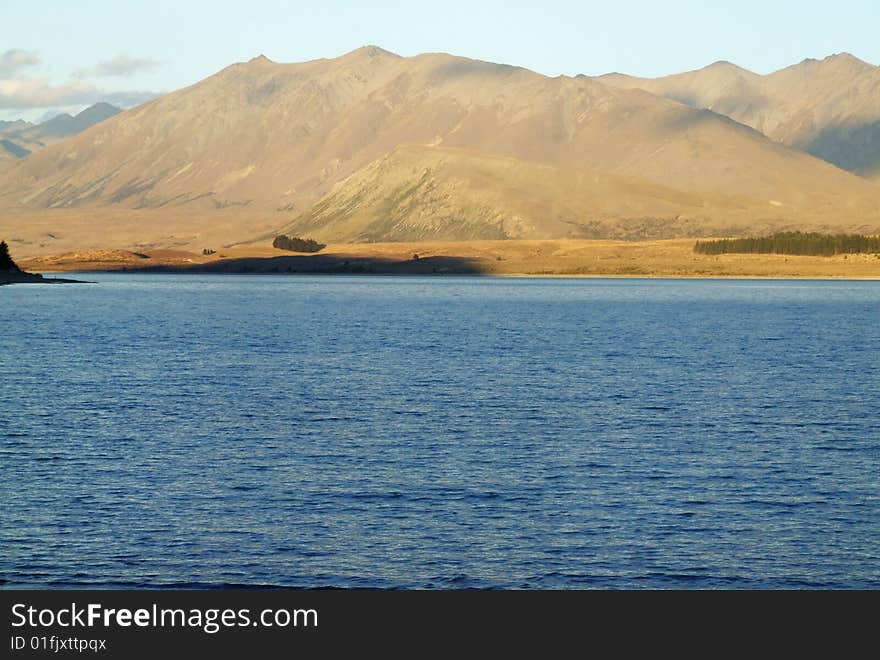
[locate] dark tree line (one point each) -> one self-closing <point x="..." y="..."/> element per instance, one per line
<point x="793" y="242"/>
<point x="6" y="262"/>
<point x="295" y="244"/>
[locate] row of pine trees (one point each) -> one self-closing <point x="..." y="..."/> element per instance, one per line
<point x="793" y="242"/>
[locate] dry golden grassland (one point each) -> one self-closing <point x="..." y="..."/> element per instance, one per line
<point x="667" y="258"/>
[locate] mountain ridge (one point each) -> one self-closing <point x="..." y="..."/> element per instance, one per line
<point x="829" y="108"/>
<point x="280" y="138"/>
<point x="21" y="138"/>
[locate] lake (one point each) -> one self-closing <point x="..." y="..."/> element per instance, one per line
<point x="419" y="432"/>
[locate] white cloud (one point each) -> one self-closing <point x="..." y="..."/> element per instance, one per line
<point x="14" y="60"/>
<point x="24" y="95"/>
<point x="29" y="93"/>
<point x="121" y="65"/>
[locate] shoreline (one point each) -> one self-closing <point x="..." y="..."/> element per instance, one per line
<point x="500" y="276"/>
<point x="8" y="279"/>
<point x="572" y="258"/>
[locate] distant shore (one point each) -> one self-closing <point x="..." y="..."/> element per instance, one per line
<point x="673" y="258"/>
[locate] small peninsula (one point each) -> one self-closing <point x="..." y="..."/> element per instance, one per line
<point x="10" y="273"/>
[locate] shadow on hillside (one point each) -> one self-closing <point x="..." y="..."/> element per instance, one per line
<point x="684" y="121"/>
<point x="854" y="149"/>
<point x="334" y="264"/>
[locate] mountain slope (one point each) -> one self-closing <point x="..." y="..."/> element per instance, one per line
<point x="263" y="136"/>
<point x="828" y="108"/>
<point x="436" y="193"/>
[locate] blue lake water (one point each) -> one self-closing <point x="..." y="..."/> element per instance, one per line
<point x="163" y="430"/>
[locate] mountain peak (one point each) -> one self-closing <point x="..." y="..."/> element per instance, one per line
<point x="370" y="52"/>
<point x="95" y="113"/>
<point x="841" y="61"/>
<point x="260" y="59"/>
<point x="60" y="118"/>
<point x="844" y="57"/>
<point x="726" y="66"/>
<point x="848" y="60"/>
<point x="101" y="106"/>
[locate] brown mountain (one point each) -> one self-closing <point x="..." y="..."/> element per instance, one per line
<point x="508" y="152"/>
<point x="828" y="108"/>
<point x="421" y="193"/>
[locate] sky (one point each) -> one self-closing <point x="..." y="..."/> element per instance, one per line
<point x="60" y="55"/>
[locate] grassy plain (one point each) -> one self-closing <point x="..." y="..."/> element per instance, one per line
<point x="566" y="257"/>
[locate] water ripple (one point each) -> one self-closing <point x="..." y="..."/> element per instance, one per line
<point x="216" y="431"/>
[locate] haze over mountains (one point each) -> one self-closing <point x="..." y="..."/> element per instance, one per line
<point x="20" y="138"/>
<point x="371" y="146"/>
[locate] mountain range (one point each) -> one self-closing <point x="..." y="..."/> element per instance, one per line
<point x="20" y="138"/>
<point x="371" y="146"/>
<point x="828" y="108"/>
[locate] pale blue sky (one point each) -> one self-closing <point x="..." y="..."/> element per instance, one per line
<point x="167" y="44"/>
